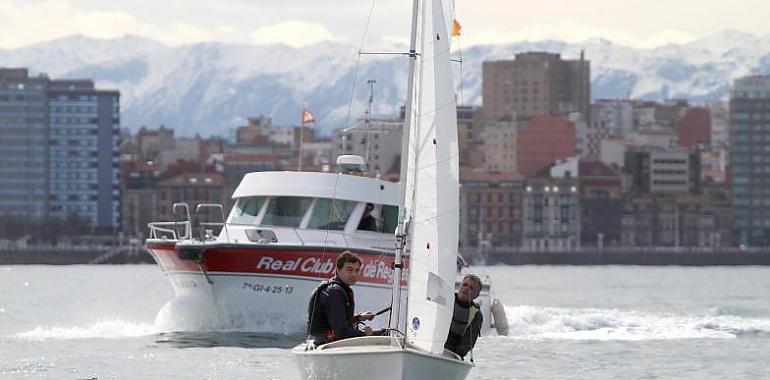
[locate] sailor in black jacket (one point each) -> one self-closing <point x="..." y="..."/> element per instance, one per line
<point x="332" y="304"/>
<point x="467" y="319"/>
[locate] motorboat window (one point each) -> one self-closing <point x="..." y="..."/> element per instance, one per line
<point x="369" y="218"/>
<point x="247" y="210"/>
<point x="331" y="214"/>
<point x="389" y="218"/>
<point x="286" y="211"/>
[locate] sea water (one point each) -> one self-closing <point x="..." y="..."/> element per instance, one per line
<point x="118" y="322"/>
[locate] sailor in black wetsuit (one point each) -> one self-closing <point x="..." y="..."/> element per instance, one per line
<point x="332" y="304"/>
<point x="467" y="319"/>
<point x="368" y="221"/>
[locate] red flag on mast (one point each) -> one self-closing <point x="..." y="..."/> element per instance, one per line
<point x="307" y="117"/>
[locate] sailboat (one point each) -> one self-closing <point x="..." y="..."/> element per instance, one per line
<point x="427" y="228"/>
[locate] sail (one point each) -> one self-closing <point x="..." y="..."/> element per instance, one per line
<point x="432" y="199"/>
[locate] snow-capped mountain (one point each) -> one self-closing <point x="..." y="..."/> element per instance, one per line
<point x="208" y="88"/>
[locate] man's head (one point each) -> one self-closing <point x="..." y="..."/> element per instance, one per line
<point x="369" y="208"/>
<point x="348" y="266"/>
<point x="469" y="288"/>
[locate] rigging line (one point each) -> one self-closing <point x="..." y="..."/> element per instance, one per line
<point x="436" y="216"/>
<point x="419" y="147"/>
<point x="460" y="52"/>
<point x="332" y="209"/>
<point x="358" y="65"/>
<point x="382" y="53"/>
<point x="429" y="132"/>
<point x="437" y="162"/>
<point x="436" y="53"/>
<point x="437" y="108"/>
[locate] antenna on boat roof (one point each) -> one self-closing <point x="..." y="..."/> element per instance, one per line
<point x="351" y="164"/>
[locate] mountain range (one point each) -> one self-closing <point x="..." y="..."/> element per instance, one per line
<point x="210" y="88"/>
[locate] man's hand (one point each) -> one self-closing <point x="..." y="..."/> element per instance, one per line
<point x="367" y="330"/>
<point x="366" y="316"/>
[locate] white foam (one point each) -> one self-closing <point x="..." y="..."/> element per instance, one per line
<point x="108" y="329"/>
<point x="199" y="313"/>
<point x="188" y="313"/>
<point x="537" y="323"/>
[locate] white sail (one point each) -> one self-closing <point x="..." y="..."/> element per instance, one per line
<point x="432" y="200"/>
<point x="430" y="191"/>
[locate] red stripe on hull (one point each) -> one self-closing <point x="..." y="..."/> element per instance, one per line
<point x="284" y="261"/>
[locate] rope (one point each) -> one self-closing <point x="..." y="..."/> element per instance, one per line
<point x="333" y="207"/>
<point x="358" y="65"/>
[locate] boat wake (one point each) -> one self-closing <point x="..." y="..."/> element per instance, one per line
<point x="228" y="339"/>
<point x="200" y="314"/>
<point x="106" y="329"/>
<point x="549" y="323"/>
<point x="188" y="313"/>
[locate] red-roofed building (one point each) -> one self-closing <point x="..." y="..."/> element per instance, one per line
<point x="694" y="128"/>
<point x="139" y="196"/>
<point x="601" y="204"/>
<point x="490" y="210"/>
<point x="598" y="179"/>
<point x="192" y="188"/>
<point x="545" y="140"/>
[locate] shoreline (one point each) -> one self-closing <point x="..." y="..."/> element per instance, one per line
<point x="645" y="258"/>
<point x="660" y="257"/>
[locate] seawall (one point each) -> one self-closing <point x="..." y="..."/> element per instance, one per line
<point x="53" y="256"/>
<point x="610" y="257"/>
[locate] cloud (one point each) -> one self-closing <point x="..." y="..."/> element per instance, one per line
<point x="176" y="22"/>
<point x="27" y="23"/>
<point x="293" y="33"/>
<point x="574" y="33"/>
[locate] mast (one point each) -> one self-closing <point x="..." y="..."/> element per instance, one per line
<point x="401" y="230"/>
<point x="301" y="130"/>
<point x="368" y="120"/>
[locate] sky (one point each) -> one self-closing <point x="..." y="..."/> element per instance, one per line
<point x="634" y="23"/>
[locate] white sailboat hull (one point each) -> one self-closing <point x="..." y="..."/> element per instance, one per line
<point x="376" y="358"/>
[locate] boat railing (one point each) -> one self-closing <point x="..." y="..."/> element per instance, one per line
<point x="176" y="230"/>
<point x="207" y="233"/>
<point x="166" y="230"/>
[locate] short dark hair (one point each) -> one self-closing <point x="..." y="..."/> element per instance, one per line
<point x="347" y="257"/>
<point x="475" y="279"/>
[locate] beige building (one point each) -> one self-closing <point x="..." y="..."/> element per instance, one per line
<point x="670" y="171"/>
<point x="378" y="142"/>
<point x="535" y="83"/>
<point x="499" y="146"/>
<point x="153" y="141"/>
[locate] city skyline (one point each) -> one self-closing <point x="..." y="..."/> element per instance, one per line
<point x="301" y="23"/>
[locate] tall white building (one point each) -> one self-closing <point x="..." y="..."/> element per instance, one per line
<point x="750" y="159"/>
<point x="84" y="158"/>
<point x="59" y="142"/>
